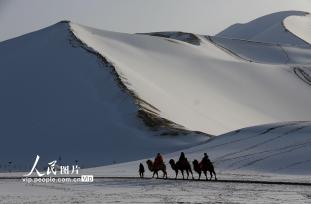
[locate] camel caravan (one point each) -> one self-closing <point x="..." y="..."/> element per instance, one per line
<point x="181" y="165"/>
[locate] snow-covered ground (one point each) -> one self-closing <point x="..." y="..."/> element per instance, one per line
<point x="151" y="191"/>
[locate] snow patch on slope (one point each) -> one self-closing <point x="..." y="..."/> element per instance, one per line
<point x="300" y="26"/>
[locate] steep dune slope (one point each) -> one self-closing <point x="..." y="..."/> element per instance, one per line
<point x="59" y="100"/>
<point x="201" y="87"/>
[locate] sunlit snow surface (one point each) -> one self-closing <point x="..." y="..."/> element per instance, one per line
<point x="300" y="26"/>
<point x="217" y="86"/>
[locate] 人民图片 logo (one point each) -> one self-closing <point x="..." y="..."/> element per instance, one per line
<point x="56" y="173"/>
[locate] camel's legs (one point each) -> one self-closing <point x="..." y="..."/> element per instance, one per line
<point x="176" y="174"/>
<point x="191" y="173"/>
<point x="153" y="174"/>
<point x="215" y="175"/>
<point x="156" y="172"/>
<point x="183" y="176"/>
<point x="200" y="175"/>
<point x="205" y="174"/>
<point x="165" y="174"/>
<point x="211" y="175"/>
<point x="187" y="174"/>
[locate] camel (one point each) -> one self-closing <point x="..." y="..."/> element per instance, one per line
<point x="152" y="168"/>
<point x="199" y="168"/>
<point x="181" y="166"/>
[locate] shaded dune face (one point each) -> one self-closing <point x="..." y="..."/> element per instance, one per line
<point x="59" y="100"/>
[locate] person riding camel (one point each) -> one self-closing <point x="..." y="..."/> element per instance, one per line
<point x="182" y="158"/>
<point x="205" y="161"/>
<point x="158" y="160"/>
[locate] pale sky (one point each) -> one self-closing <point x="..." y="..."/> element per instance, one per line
<point x="18" y="17"/>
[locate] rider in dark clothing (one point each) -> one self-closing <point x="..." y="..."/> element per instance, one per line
<point x="208" y="165"/>
<point x="205" y="161"/>
<point x="182" y="158"/>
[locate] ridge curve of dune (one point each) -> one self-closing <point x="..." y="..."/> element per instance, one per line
<point x="202" y="87"/>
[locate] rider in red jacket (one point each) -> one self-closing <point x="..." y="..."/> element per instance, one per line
<point x="158" y="160"/>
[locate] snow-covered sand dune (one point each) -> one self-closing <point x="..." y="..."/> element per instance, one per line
<point x="81" y="95"/>
<point x="269" y="28"/>
<point x="273" y="150"/>
<point x="202" y="86"/>
<point x="279" y="38"/>
<point x="59" y="100"/>
<point x="122" y="97"/>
